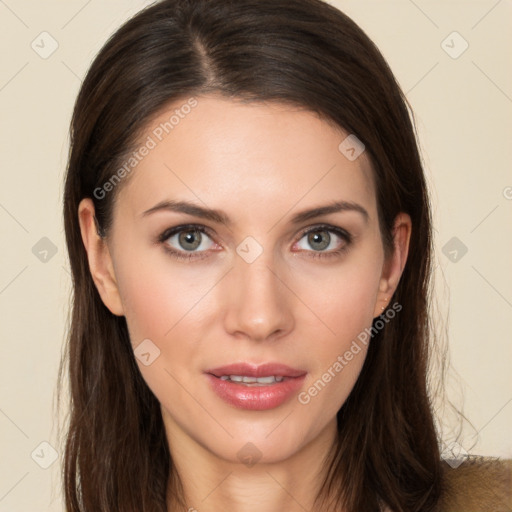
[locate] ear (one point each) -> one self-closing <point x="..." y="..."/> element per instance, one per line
<point x="394" y="266"/>
<point x="100" y="261"/>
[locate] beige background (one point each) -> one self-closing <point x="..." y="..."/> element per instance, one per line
<point x="463" y="107"/>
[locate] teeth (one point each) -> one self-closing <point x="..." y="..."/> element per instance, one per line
<point x="253" y="380"/>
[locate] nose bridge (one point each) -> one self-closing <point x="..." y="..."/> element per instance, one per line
<point x="259" y="305"/>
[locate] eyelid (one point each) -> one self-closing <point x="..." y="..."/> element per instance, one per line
<point x="338" y="231"/>
<point x="180" y="254"/>
<point x="185" y="227"/>
<point x="208" y="231"/>
<point x="326" y="227"/>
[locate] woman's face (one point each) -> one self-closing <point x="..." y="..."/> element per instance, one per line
<point x="258" y="282"/>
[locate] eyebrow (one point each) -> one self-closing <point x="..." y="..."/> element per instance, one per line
<point x="222" y="218"/>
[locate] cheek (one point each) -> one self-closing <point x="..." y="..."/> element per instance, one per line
<point x="163" y="304"/>
<point x="159" y="296"/>
<point x="342" y="301"/>
<point x="151" y="307"/>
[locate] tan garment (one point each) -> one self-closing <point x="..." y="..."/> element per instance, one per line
<point x="479" y="484"/>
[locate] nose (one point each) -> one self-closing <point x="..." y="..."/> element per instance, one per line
<point x="258" y="302"/>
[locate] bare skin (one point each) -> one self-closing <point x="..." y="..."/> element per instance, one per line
<point x="298" y="303"/>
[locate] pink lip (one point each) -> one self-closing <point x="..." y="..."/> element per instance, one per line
<point x="256" y="398"/>
<point x="254" y="370"/>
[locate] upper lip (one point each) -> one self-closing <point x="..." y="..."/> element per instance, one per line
<point x="257" y="370"/>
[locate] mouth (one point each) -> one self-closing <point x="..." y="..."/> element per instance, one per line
<point x="253" y="371"/>
<point x="253" y="381"/>
<point x="255" y="387"/>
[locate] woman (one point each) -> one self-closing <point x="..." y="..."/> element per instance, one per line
<point x="250" y="240"/>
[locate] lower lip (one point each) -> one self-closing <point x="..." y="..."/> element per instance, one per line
<point x="256" y="398"/>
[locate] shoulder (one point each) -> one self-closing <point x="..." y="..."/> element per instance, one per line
<point x="479" y="484"/>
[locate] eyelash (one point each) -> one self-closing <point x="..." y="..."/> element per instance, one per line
<point x="347" y="237"/>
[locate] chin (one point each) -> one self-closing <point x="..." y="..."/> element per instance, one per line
<point x="263" y="442"/>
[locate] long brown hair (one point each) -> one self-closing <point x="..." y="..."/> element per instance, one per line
<point x="302" y="52"/>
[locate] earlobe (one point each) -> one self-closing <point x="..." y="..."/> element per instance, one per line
<point x="394" y="266"/>
<point x="100" y="260"/>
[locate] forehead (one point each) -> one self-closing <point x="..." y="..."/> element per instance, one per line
<point x="255" y="158"/>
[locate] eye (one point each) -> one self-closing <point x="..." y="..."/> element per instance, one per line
<point x="325" y="241"/>
<point x="189" y="239"/>
<point x="194" y="241"/>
